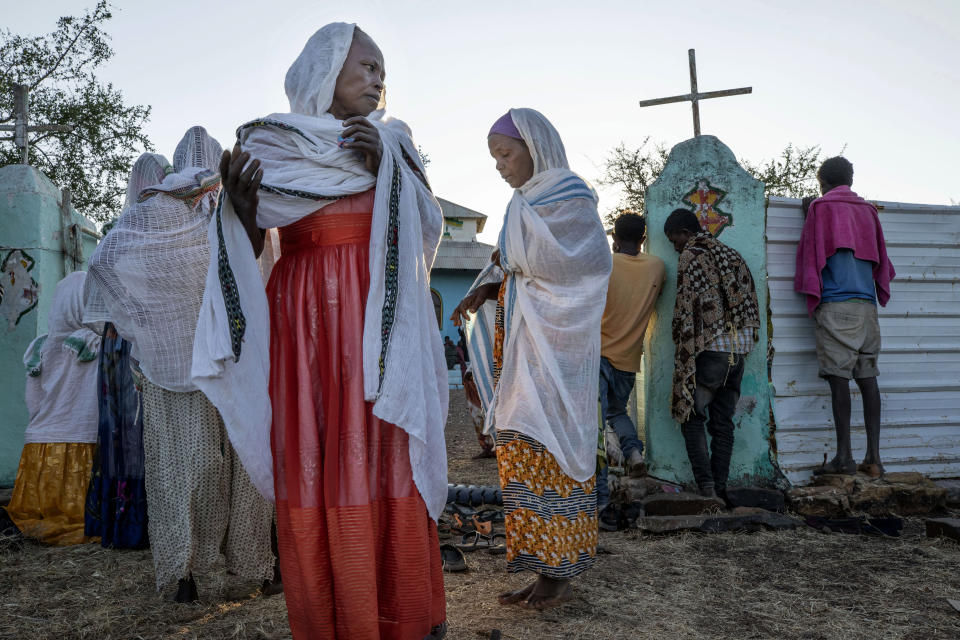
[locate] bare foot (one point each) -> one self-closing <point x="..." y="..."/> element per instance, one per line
<point x="872" y="469"/>
<point x="547" y="593"/>
<point x="844" y="466"/>
<point x="514" y="597"/>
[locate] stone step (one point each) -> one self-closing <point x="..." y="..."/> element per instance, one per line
<point x="944" y="528"/>
<point x="769" y="499"/>
<point x="952" y="488"/>
<point x="681" y="504"/>
<point x="835" y="496"/>
<point x="718" y="523"/>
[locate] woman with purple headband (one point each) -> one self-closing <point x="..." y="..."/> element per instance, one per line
<point x="536" y="352"/>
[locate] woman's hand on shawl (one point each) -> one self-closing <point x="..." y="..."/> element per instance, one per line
<point x="473" y="300"/>
<point x="365" y="140"/>
<point x="241" y="186"/>
<point x="495" y="258"/>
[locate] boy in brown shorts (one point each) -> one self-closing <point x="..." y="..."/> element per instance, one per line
<point x="843" y="268"/>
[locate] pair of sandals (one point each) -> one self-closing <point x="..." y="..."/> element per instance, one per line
<point x="476" y="533"/>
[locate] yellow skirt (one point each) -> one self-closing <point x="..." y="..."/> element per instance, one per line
<point x="51" y="490"/>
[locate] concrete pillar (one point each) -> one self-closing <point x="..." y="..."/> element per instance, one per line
<point x="703" y="174"/>
<point x="36" y="227"/>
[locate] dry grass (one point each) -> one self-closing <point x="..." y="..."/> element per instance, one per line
<point x="795" y="585"/>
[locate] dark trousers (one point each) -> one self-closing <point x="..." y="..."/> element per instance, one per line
<point x="714" y="402"/>
<point x="615" y="389"/>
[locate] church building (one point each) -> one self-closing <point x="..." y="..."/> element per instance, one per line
<point x="459" y="260"/>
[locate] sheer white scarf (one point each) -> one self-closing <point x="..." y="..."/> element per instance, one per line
<point x="149" y="270"/>
<point x="554" y="250"/>
<point x="148" y="170"/>
<point x="303" y="170"/>
<point x="61" y="394"/>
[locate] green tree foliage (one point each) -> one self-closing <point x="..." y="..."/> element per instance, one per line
<point x="791" y="174"/>
<point x="60" y="70"/>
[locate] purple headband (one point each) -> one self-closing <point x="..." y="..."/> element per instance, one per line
<point x="504" y="126"/>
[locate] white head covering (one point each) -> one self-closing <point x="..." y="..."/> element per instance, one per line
<point x="61" y="391"/>
<point x="197" y="149"/>
<point x="150" y="268"/>
<point x="553" y="248"/>
<point x="149" y="170"/>
<point x="542" y="140"/>
<point x="312" y="77"/>
<point x="303" y="170"/>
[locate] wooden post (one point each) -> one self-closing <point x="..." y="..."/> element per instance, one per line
<point x="693" y="90"/>
<point x="21" y="110"/>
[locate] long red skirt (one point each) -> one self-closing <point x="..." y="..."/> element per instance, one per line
<point x="359" y="554"/>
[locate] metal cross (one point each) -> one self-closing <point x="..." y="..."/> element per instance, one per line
<point x="21" y="127"/>
<point x="694" y="97"/>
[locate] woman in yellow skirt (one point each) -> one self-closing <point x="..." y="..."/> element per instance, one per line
<point x="51" y="485"/>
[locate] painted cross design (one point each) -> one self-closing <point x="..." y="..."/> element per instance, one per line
<point x="19" y="292"/>
<point x="705" y="200"/>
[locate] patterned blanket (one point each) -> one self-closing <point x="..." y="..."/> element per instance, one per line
<point x="715" y="295"/>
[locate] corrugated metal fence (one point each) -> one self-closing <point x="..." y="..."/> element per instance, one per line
<point x="920" y="360"/>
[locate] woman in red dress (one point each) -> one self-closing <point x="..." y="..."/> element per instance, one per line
<point x="356" y="377"/>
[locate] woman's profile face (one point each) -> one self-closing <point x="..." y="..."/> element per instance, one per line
<point x="360" y="83"/>
<point x="513" y="159"/>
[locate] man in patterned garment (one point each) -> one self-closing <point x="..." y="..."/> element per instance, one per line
<point x="715" y="322"/>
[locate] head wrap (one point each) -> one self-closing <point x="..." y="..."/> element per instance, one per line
<point x="147" y="275"/>
<point x="197" y="149"/>
<point x="312" y="77"/>
<point x="505" y="127"/>
<point x="148" y="171"/>
<point x="542" y="140"/>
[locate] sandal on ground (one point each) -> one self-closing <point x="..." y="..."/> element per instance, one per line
<point x="452" y="558"/>
<point x="495" y="516"/>
<point x="498" y="544"/>
<point x="462" y="519"/>
<point x="474" y="541"/>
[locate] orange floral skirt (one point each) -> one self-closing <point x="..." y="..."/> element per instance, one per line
<point x="552" y="526"/>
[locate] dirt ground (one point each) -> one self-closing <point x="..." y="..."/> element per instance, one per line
<point x="793" y="585"/>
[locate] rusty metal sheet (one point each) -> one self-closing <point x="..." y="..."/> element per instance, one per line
<point x="920" y="360"/>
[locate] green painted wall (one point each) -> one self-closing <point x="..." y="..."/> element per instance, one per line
<point x="692" y="161"/>
<point x="30" y="220"/>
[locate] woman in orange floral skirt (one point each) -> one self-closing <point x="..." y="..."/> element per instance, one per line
<point x="536" y="356"/>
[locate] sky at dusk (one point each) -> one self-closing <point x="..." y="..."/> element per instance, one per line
<point x="879" y="79"/>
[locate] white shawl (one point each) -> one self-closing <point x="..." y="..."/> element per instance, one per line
<point x="148" y="170"/>
<point x="553" y="248"/>
<point x="303" y="170"/>
<point x="61" y="393"/>
<point x="149" y="270"/>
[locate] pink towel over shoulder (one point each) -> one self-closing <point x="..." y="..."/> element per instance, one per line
<point x="841" y="220"/>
